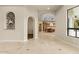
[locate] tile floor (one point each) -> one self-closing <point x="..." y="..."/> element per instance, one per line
<point x="45" y="44"/>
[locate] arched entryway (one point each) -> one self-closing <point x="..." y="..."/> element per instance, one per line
<point x="30" y="32"/>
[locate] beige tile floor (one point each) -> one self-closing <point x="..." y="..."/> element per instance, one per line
<point x="45" y="44"/>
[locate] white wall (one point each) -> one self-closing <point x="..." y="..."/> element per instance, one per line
<point x="16" y="34"/>
<point x="21" y="13"/>
<point x="61" y="26"/>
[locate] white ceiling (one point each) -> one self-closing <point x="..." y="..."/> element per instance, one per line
<point x="45" y="7"/>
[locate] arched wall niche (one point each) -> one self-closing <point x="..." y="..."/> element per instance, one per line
<point x="31" y="27"/>
<point x="10" y="23"/>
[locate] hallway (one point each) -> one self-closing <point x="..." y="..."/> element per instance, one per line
<point x="46" y="44"/>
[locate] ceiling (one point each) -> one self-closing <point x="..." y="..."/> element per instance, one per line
<point x="45" y="7"/>
<point x="45" y="11"/>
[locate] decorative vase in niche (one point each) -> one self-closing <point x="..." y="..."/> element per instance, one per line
<point x="10" y="20"/>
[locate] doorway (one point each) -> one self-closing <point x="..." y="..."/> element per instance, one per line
<point x="30" y="28"/>
<point x="47" y="26"/>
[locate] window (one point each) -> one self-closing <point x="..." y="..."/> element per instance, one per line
<point x="73" y="22"/>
